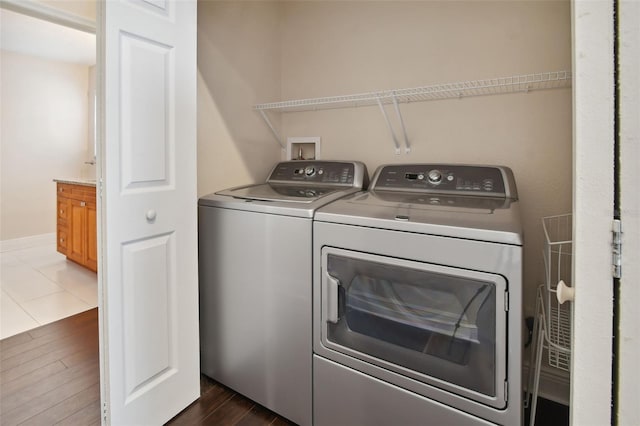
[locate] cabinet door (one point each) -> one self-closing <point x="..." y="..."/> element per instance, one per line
<point x="62" y="225"/>
<point x="62" y="237"/>
<point x="76" y="247"/>
<point x="92" y="240"/>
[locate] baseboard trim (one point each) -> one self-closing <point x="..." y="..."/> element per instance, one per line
<point x="555" y="385"/>
<point x="26" y="242"/>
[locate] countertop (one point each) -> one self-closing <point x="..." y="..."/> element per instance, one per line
<point x="77" y="181"/>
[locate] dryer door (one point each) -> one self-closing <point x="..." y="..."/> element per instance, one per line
<point x="440" y="325"/>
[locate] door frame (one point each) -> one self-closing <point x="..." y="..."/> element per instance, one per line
<point x="50" y="14"/>
<point x="606" y="133"/>
<point x="628" y="351"/>
<point x="593" y="205"/>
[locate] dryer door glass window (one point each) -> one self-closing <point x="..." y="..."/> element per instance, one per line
<point x="439" y="323"/>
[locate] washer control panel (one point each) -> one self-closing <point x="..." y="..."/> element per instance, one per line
<point x="477" y="180"/>
<point x="320" y="172"/>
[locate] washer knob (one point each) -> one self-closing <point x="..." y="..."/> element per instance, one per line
<point x="310" y="171"/>
<point x="435" y="177"/>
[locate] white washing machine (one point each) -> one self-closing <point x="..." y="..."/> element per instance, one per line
<point x="418" y="300"/>
<point x="255" y="255"/>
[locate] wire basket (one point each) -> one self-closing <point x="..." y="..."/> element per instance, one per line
<point x="557" y="261"/>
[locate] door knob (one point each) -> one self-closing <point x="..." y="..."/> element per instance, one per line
<point x="151" y="215"/>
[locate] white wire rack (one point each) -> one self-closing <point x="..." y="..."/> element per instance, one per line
<point x="557" y="260"/>
<point x="493" y="86"/>
<point x="552" y="326"/>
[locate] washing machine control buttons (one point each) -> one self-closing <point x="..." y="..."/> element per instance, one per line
<point x="435" y="177"/>
<point x="452" y="180"/>
<point x="310" y="171"/>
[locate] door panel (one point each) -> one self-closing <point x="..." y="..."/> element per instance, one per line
<point x="149" y="327"/>
<point x="440" y="325"/>
<point x="77" y="230"/>
<point x="146" y="114"/>
<point x="92" y="238"/>
<point x="148" y="279"/>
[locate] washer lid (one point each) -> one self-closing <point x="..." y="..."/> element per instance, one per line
<point x="280" y="192"/>
<point x="304" y="207"/>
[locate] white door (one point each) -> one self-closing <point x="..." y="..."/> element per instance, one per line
<point x="149" y="306"/>
<point x="628" y="409"/>
<point x="600" y="382"/>
<point x="593" y="199"/>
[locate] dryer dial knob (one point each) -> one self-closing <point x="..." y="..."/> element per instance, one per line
<point x="435" y="177"/>
<point x="310" y="171"/>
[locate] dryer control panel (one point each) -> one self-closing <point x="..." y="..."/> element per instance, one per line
<point x="454" y="179"/>
<point x="319" y="172"/>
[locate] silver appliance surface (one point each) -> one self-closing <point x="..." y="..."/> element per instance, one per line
<point x="418" y="300"/>
<point x="405" y="200"/>
<point x="255" y="273"/>
<point x="362" y="394"/>
<point x="280" y="192"/>
<point x="294" y="188"/>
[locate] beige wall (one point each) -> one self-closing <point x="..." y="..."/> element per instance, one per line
<point x="43" y="135"/>
<point x="339" y="48"/>
<point x="238" y="66"/>
<point x="336" y="48"/>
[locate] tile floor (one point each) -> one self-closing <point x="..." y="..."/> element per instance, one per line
<point x="39" y="285"/>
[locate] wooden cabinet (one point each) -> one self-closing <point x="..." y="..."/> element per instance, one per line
<point x="77" y="232"/>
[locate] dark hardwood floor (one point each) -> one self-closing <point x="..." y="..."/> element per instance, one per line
<point x="219" y="405"/>
<point x="50" y="375"/>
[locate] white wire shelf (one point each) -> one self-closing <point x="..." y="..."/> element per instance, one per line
<point x="493" y="86"/>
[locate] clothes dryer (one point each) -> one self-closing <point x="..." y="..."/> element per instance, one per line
<point x="255" y="256"/>
<point x="418" y="300"/>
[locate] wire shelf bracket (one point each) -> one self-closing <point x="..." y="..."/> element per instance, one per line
<point x="273" y="129"/>
<point x="407" y="147"/>
<point x="393" y="134"/>
<point x="494" y="86"/>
